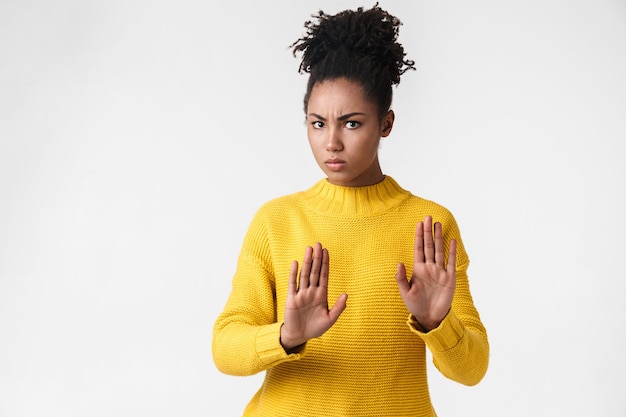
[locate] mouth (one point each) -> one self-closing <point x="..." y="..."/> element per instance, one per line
<point x="335" y="164"/>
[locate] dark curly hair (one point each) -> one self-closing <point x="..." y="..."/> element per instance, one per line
<point x="359" y="45"/>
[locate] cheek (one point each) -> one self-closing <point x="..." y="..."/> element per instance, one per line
<point x="372" y="145"/>
<point x="315" y="143"/>
<point x="311" y="137"/>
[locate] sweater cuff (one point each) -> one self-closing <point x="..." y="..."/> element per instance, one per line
<point x="268" y="347"/>
<point x="447" y="335"/>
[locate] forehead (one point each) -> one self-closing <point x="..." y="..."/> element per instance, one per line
<point x="340" y="94"/>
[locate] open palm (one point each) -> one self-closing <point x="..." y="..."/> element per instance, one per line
<point x="428" y="294"/>
<point x="306" y="311"/>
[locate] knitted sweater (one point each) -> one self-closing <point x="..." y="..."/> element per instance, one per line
<point x="372" y="362"/>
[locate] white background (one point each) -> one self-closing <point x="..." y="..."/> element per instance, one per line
<point x="138" y="138"/>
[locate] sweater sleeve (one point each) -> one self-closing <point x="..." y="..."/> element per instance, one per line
<point x="246" y="335"/>
<point x="459" y="345"/>
<point x="460" y="351"/>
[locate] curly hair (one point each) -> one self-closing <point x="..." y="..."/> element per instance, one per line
<point x="359" y="45"/>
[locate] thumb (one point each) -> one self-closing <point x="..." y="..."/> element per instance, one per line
<point x="338" y="308"/>
<point x="403" y="284"/>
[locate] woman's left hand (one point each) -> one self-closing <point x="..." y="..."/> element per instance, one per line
<point x="428" y="294"/>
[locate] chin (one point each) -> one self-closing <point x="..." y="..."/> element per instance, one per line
<point x="344" y="182"/>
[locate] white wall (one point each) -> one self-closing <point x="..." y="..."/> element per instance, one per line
<point x="137" y="138"/>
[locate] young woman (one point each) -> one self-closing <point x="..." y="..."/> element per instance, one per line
<point x="392" y="264"/>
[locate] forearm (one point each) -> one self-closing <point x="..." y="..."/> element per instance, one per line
<point x="242" y="349"/>
<point x="460" y="351"/>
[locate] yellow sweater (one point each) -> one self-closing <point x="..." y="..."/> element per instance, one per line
<point x="372" y="362"/>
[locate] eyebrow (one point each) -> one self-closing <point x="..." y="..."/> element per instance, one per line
<point x="342" y="117"/>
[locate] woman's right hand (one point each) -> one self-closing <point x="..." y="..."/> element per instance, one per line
<point x="306" y="312"/>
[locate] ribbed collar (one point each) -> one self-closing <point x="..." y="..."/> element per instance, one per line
<point x="371" y="200"/>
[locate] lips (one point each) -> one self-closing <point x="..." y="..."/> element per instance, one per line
<point x="335" y="164"/>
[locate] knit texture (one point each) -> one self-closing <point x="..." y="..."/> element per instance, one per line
<point x="372" y="362"/>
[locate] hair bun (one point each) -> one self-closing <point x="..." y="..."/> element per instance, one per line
<point x="362" y="35"/>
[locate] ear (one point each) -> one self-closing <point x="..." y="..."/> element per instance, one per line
<point x="387" y="124"/>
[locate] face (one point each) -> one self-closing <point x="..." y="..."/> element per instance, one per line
<point x="344" y="132"/>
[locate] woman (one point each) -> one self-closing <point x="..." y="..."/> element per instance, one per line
<point x="366" y="354"/>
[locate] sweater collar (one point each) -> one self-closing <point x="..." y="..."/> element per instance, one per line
<point x="370" y="200"/>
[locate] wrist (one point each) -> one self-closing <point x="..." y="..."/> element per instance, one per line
<point x="425" y="326"/>
<point x="288" y="344"/>
<point x="420" y="326"/>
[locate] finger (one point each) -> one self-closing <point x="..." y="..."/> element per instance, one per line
<point x="403" y="283"/>
<point x="338" y="308"/>
<point x="305" y="271"/>
<point x="323" y="282"/>
<point x="429" y="246"/>
<point x="418" y="249"/>
<point x="292" y="285"/>
<point x="452" y="256"/>
<point x="316" y="266"/>
<point x="439" y="250"/>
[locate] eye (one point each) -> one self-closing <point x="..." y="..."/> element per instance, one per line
<point x="351" y="124"/>
<point x="317" y="124"/>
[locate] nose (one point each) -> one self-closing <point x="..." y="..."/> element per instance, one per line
<point x="333" y="141"/>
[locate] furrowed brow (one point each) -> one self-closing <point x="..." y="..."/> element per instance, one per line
<point x="343" y="117"/>
<point x="317" y="116"/>
<point x="350" y="115"/>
